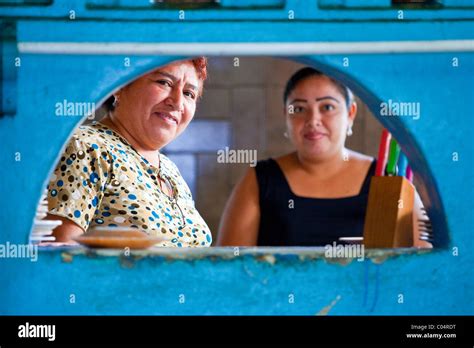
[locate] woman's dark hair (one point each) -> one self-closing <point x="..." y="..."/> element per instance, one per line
<point x="306" y="72"/>
<point x="200" y="64"/>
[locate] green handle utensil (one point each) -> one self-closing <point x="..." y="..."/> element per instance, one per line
<point x="394" y="153"/>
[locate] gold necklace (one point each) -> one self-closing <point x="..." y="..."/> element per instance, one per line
<point x="161" y="177"/>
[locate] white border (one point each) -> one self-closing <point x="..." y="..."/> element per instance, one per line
<point x="263" y="48"/>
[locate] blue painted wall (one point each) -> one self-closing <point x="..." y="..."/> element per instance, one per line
<point x="439" y="282"/>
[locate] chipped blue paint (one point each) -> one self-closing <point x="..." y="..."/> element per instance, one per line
<point x="437" y="282"/>
<point x="244" y="284"/>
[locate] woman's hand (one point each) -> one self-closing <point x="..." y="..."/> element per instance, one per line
<point x="67" y="231"/>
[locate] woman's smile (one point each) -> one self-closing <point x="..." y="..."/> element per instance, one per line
<point x="167" y="117"/>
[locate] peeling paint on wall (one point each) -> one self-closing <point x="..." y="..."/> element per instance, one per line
<point x="325" y="310"/>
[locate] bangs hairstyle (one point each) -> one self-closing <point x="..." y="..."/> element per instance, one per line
<point x="306" y="72"/>
<point x="200" y="64"/>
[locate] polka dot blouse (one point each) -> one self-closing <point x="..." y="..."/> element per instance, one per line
<point x="102" y="181"/>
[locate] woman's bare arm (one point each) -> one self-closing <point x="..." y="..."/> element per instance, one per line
<point x="65" y="232"/>
<point x="241" y="218"/>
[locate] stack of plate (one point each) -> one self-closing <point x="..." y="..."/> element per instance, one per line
<point x="43" y="229"/>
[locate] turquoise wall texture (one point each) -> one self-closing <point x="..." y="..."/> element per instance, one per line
<point x="76" y="51"/>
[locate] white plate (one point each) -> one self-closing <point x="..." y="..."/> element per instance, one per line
<point x="49" y="223"/>
<point x="42" y="239"/>
<point x="41" y="232"/>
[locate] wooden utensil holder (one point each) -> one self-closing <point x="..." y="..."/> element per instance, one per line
<point x="389" y="215"/>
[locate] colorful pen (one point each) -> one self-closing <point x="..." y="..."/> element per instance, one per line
<point x="383" y="150"/>
<point x="402" y="164"/>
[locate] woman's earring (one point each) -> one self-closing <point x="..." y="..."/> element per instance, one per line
<point x="285" y="134"/>
<point x="349" y="130"/>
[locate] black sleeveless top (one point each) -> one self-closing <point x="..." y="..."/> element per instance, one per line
<point x="287" y="219"/>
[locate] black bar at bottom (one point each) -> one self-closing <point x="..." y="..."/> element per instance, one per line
<point x="137" y="330"/>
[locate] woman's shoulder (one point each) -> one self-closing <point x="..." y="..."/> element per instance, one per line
<point x="265" y="165"/>
<point x="360" y="162"/>
<point x="360" y="158"/>
<point x="357" y="156"/>
<point x="169" y="166"/>
<point x="93" y="133"/>
<point x="353" y="156"/>
<point x="98" y="137"/>
<point x="267" y="170"/>
<point x="284" y="159"/>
